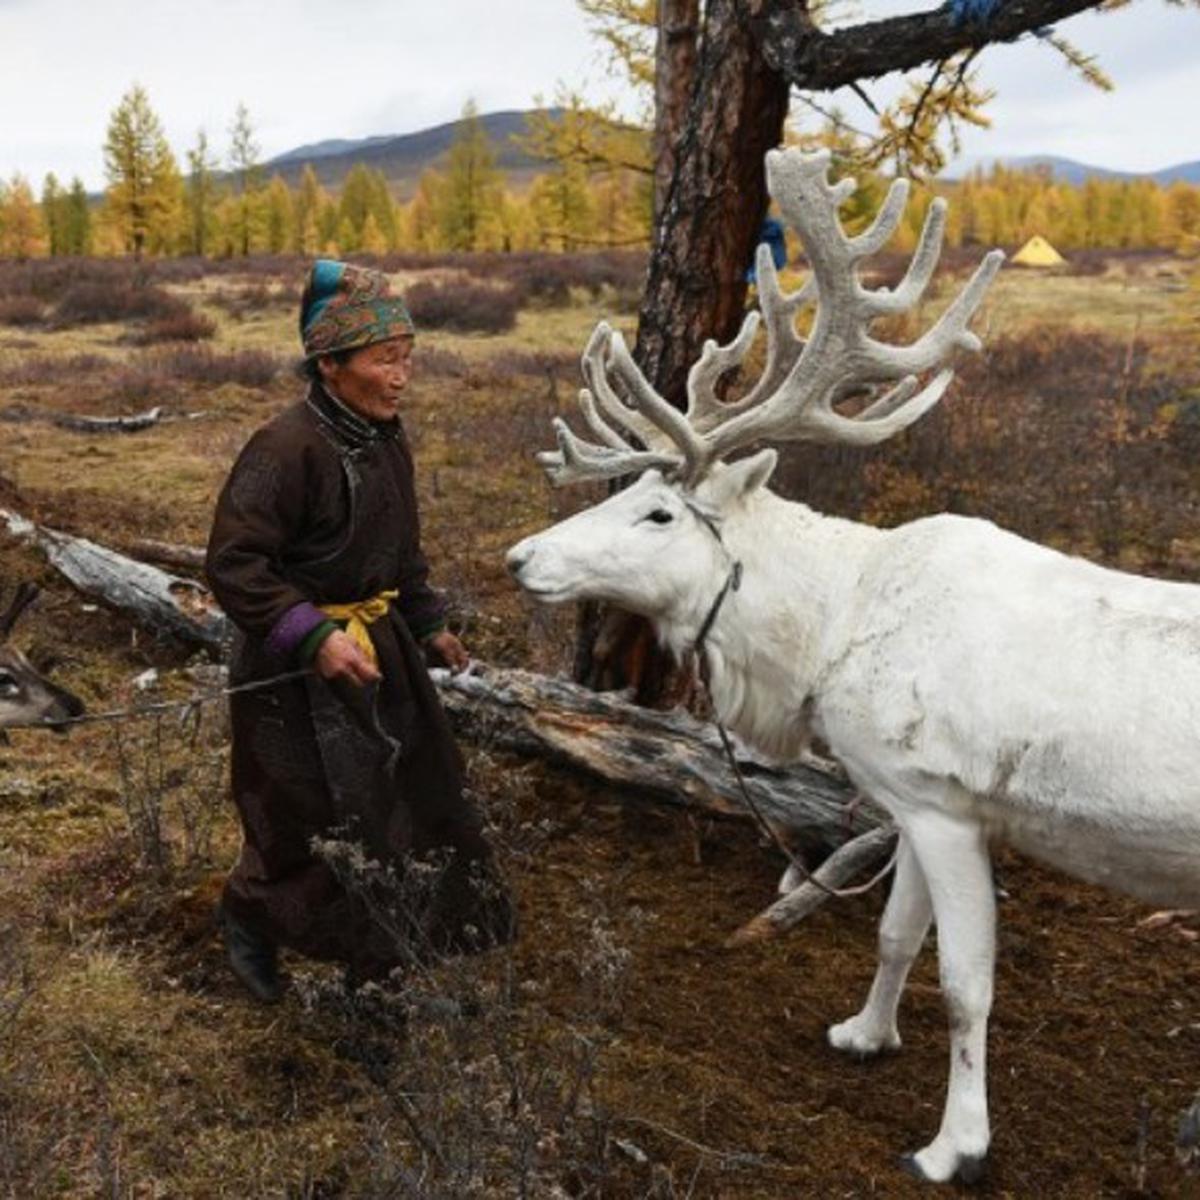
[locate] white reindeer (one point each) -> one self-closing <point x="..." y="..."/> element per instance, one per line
<point x="27" y="697"/>
<point x="973" y="683"/>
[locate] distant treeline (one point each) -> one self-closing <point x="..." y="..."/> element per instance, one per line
<point x="150" y="207"/>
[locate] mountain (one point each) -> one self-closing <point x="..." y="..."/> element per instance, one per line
<point x="1068" y="169"/>
<point x="403" y="157"/>
<point x="1185" y="172"/>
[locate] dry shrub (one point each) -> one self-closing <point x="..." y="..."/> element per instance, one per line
<point x="563" y="365"/>
<point x="141" y="383"/>
<point x="172" y="774"/>
<point x="435" y="362"/>
<point x="201" y="364"/>
<point x="242" y="302"/>
<point x="43" y="370"/>
<point x="493" y="1093"/>
<point x="1061" y="436"/>
<point x="49" y="279"/>
<point x="290" y="268"/>
<point x="464" y="307"/>
<point x="21" y="310"/>
<point x="89" y="303"/>
<point x="183" y="326"/>
<point x="1087" y="262"/>
<point x="28" y="1132"/>
<point x="548" y="278"/>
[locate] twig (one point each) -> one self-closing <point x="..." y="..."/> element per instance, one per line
<point x="736" y="1158"/>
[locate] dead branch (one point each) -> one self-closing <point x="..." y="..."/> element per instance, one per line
<point x="843" y="865"/>
<point x="162" y="602"/>
<point x="172" y="554"/>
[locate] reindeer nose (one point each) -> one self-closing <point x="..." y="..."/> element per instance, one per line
<point x="517" y="557"/>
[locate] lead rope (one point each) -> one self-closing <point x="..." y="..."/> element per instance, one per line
<point x="732" y="583"/>
<point x="150" y="710"/>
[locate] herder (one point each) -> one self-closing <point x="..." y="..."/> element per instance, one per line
<point x="315" y="555"/>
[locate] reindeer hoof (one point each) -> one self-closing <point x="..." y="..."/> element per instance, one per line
<point x="851" y="1038"/>
<point x="969" y="1170"/>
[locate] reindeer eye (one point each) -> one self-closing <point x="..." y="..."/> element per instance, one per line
<point x="8" y="685"/>
<point x="659" y="516"/>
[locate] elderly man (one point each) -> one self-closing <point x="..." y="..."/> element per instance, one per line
<point x="315" y="554"/>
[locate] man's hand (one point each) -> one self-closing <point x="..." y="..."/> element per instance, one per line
<point x="444" y="649"/>
<point x="339" y="657"/>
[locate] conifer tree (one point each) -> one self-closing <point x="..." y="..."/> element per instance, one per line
<point x="1183" y="215"/>
<point x="383" y="209"/>
<point x="22" y="229"/>
<point x="54" y="215"/>
<point x="423" y="213"/>
<point x="78" y="232"/>
<point x="243" y="158"/>
<point x="201" y="195"/>
<point x="371" y="239"/>
<point x="354" y="203"/>
<point x="562" y="207"/>
<point x="307" y="207"/>
<point x="472" y="186"/>
<point x="279" y="215"/>
<point x="141" y="171"/>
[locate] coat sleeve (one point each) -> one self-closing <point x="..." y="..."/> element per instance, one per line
<point x="259" y="513"/>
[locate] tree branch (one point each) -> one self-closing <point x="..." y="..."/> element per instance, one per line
<point x="817" y="61"/>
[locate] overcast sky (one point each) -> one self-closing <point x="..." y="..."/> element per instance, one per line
<point x="314" y="69"/>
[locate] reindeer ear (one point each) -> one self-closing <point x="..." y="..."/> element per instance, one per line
<point x="742" y="477"/>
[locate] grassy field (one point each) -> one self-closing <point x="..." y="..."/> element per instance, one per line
<point x="617" y="1050"/>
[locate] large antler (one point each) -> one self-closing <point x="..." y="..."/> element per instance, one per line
<point x="802" y="381"/>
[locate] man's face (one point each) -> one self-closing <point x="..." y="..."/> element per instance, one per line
<point x="371" y="379"/>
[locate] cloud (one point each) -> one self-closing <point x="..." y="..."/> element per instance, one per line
<point x="309" y="69"/>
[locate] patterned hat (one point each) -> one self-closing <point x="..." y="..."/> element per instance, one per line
<point x="345" y="307"/>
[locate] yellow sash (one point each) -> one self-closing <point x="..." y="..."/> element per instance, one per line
<point x="358" y="616"/>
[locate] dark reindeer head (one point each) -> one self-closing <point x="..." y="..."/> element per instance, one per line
<point x="27" y="697"/>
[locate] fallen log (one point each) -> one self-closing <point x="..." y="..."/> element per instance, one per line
<point x="670" y="755"/>
<point x="81" y="423"/>
<point x="85" y="424"/>
<point x="173" y="554"/>
<point x="164" y="603"/>
<point x="846" y="864"/>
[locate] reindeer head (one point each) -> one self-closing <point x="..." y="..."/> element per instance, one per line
<point x="646" y="547"/>
<point x="26" y="697"/>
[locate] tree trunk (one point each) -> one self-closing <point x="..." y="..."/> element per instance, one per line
<point x="674" y="75"/>
<point x="716" y="200"/>
<point x="710" y="200"/>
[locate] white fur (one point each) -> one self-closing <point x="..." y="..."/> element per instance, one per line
<point x="973" y="683"/>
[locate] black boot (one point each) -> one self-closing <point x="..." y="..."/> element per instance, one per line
<point x="253" y="958"/>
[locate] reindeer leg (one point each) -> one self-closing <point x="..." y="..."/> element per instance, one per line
<point x="953" y="855"/>
<point x="902" y="929"/>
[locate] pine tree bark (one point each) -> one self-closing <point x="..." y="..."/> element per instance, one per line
<point x="715" y="200"/>
<point x="674" y="75"/>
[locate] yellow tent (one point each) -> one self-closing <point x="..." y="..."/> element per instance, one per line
<point x="1037" y="252"/>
